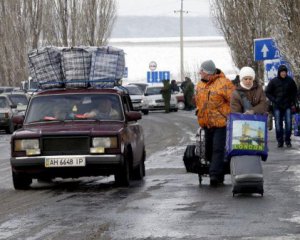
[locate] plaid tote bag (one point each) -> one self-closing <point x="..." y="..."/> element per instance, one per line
<point x="107" y="66"/>
<point x="76" y="64"/>
<point x="45" y="67"/>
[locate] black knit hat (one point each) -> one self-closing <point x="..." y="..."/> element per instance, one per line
<point x="282" y="68"/>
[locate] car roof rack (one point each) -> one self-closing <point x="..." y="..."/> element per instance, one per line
<point x="100" y="84"/>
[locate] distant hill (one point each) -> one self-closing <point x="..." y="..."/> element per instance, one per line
<point x="136" y="27"/>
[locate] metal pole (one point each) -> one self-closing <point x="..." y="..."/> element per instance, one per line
<point x="181" y="43"/>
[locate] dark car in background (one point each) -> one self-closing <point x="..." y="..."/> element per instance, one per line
<point x="137" y="96"/>
<point x="7" y="111"/>
<point x="60" y="137"/>
<point x="18" y="99"/>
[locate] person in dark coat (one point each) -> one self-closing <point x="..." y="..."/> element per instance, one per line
<point x="166" y="94"/>
<point x="188" y="94"/>
<point x="282" y="92"/>
<point x="174" y="87"/>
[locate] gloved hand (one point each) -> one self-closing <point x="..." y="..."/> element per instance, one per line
<point x="249" y="112"/>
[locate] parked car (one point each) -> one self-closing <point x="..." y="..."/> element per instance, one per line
<point x="6" y="89"/>
<point x="7" y="109"/>
<point x="153" y="100"/>
<point x="20" y="100"/>
<point x="137" y="96"/>
<point x="60" y="137"/>
<point x="142" y="86"/>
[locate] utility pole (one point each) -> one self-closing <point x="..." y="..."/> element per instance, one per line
<point x="181" y="42"/>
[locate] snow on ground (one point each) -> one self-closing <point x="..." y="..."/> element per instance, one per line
<point x="166" y="53"/>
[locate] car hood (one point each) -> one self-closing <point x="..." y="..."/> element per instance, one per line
<point x="157" y="97"/>
<point x="70" y="128"/>
<point x="136" y="97"/>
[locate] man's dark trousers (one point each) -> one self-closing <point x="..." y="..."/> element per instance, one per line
<point x="215" y="139"/>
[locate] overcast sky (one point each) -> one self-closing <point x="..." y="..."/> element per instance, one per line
<point x="162" y="7"/>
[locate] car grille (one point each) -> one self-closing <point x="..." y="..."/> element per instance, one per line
<point x="159" y="101"/>
<point x="65" y="145"/>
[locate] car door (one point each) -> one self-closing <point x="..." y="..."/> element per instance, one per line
<point x="135" y="133"/>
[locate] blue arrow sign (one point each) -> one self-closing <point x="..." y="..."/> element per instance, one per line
<point x="265" y="48"/>
<point x="156" y="77"/>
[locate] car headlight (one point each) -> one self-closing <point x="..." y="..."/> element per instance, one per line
<point x="99" y="144"/>
<point x="31" y="146"/>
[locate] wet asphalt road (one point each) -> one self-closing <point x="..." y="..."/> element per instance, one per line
<point x="168" y="204"/>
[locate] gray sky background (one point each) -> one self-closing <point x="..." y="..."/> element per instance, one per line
<point x="162" y="7"/>
<point x="156" y="18"/>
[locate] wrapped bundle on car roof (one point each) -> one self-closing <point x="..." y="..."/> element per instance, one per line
<point x="45" y="67"/>
<point x="77" y="67"/>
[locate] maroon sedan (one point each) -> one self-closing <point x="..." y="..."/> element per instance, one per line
<point x="72" y="133"/>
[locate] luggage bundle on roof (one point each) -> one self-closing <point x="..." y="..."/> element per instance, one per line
<point x="76" y="67"/>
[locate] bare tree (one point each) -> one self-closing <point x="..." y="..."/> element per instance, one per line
<point x="286" y="31"/>
<point x="240" y="22"/>
<point x="28" y="24"/>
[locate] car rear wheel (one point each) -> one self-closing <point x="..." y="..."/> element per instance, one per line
<point x="21" y="182"/>
<point x="122" y="176"/>
<point x="145" y="112"/>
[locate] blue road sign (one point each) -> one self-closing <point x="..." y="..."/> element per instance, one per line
<point x="156" y="77"/>
<point x="271" y="68"/>
<point x="265" y="48"/>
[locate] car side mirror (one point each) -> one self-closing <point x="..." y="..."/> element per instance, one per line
<point x="13" y="106"/>
<point x="133" y="116"/>
<point x="18" y="120"/>
<point x="146" y="94"/>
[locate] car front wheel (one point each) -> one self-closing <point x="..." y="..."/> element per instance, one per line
<point x="145" y="112"/>
<point x="21" y="182"/>
<point x="122" y="176"/>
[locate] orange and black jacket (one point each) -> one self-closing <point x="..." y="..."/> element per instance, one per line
<point x="213" y="100"/>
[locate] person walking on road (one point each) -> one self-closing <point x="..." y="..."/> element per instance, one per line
<point x="174" y="87"/>
<point x="166" y="94"/>
<point x="188" y="94"/>
<point x="282" y="92"/>
<point x="249" y="96"/>
<point x="213" y="96"/>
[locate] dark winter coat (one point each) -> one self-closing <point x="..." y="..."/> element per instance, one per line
<point x="282" y="92"/>
<point x="255" y="96"/>
<point x="174" y="87"/>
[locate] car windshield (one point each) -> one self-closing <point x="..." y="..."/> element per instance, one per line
<point x="153" y="91"/>
<point x="18" y="99"/>
<point x="3" y="102"/>
<point x="134" y="90"/>
<point x="75" y="107"/>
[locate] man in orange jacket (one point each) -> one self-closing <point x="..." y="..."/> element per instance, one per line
<point x="213" y="105"/>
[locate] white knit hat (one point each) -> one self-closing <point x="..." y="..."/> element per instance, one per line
<point x="247" y="72"/>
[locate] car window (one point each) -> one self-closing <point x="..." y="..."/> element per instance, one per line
<point x="18" y="99"/>
<point x="134" y="90"/>
<point x="153" y="91"/>
<point x="3" y="102"/>
<point x="75" y="107"/>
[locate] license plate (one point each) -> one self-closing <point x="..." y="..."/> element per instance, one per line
<point x="64" y="162"/>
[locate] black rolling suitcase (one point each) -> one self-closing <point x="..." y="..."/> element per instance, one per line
<point x="246" y="174"/>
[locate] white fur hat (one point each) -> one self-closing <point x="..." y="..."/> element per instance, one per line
<point x="247" y="72"/>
